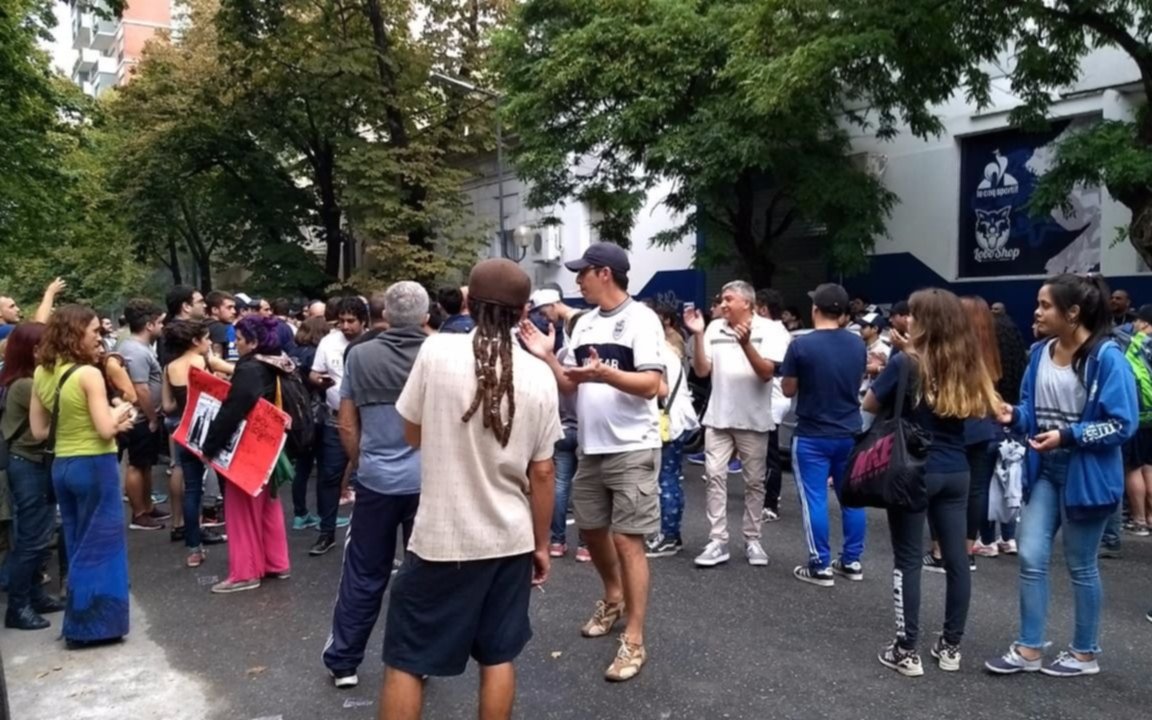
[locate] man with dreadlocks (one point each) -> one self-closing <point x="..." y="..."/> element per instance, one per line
<point x="486" y="431"/>
<point x="615" y="493"/>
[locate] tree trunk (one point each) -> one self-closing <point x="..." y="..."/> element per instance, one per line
<point x="758" y="267"/>
<point x="1140" y="229"/>
<point x="174" y="262"/>
<point x="330" y="213"/>
<point x="414" y="194"/>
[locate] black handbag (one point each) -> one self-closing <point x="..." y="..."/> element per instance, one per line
<point x="886" y="468"/>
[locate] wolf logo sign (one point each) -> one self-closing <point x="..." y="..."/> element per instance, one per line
<point x="1000" y="233"/>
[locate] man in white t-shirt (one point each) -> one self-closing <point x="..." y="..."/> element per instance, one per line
<point x="770" y="306"/>
<point x="615" y="369"/>
<point x="484" y="414"/>
<point x="871" y="326"/>
<point x="331" y="460"/>
<point x="735" y="353"/>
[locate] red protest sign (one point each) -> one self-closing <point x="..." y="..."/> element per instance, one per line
<point x="249" y="457"/>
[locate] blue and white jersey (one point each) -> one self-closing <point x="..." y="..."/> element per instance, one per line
<point x="629" y="338"/>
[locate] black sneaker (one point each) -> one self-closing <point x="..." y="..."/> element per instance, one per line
<point x="210" y="537"/>
<point x="145" y="521"/>
<point x="820" y="578"/>
<point x="177" y="535"/>
<point x="905" y="662"/>
<point x="1110" y="552"/>
<point x="344" y="679"/>
<point x="933" y="563"/>
<point x="853" y="571"/>
<point x="323" y="544"/>
<point x="972" y="563"/>
<point x="659" y="546"/>
<point x="946" y="654"/>
<point x="158" y="514"/>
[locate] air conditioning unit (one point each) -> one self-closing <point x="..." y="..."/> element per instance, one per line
<point x="547" y="245"/>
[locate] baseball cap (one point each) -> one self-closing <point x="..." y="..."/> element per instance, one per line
<point x="900" y="308"/>
<point x="871" y="319"/>
<point x="545" y="296"/>
<point x="602" y="254"/>
<point x="242" y="301"/>
<point x="830" y="299"/>
<point x="1145" y="313"/>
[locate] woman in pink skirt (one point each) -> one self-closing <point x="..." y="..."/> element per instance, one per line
<point x="257" y="541"/>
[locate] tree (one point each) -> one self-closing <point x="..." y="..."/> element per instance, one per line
<point x="898" y="58"/>
<point x="648" y="91"/>
<point x="56" y="215"/>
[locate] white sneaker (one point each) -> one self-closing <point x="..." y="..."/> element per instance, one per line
<point x="989" y="551"/>
<point x="1008" y="547"/>
<point x="769" y="516"/>
<point x="754" y="551"/>
<point x="715" y="553"/>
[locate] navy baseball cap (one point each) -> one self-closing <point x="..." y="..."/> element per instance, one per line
<point x="830" y="298"/>
<point x="602" y="254"/>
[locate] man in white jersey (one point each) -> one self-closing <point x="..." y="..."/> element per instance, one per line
<point x="735" y="352"/>
<point x="615" y="368"/>
<point x="770" y="306"/>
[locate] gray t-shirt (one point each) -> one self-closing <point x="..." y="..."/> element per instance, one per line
<point x="143" y="368"/>
<point x="1060" y="395"/>
<point x="388" y="465"/>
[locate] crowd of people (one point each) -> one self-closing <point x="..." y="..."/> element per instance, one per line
<point x="467" y="426"/>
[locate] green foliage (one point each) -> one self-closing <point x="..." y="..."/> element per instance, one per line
<point x="651" y="90"/>
<point x="57" y="217"/>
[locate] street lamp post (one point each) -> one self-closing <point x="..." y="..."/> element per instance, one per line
<point x="497" y="97"/>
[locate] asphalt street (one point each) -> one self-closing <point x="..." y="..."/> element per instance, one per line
<point x="730" y="642"/>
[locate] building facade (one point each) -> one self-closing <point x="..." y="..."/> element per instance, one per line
<point x="108" y="48"/>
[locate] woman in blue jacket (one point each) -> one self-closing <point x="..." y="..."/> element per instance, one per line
<point x="1077" y="407"/>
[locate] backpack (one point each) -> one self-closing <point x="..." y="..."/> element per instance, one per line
<point x="1138" y="352"/>
<point x="295" y="400"/>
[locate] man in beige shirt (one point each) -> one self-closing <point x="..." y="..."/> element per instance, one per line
<point x="486" y="428"/>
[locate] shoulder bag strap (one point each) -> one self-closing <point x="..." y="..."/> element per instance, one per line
<point x="665" y="404"/>
<point x="50" y="443"/>
<point x="902" y="387"/>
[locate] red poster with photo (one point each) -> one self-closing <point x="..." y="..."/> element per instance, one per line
<point x="248" y="459"/>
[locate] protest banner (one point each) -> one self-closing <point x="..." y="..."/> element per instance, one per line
<point x="250" y="456"/>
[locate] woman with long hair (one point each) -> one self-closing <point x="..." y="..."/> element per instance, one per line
<point x="308" y="337"/>
<point x="1077" y="407"/>
<point x="30" y="486"/>
<point x="258" y="545"/>
<point x="85" y="473"/>
<point x="188" y="345"/>
<point x="981" y="438"/>
<point x="946" y="386"/>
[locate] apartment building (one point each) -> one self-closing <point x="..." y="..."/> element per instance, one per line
<point x="107" y="48"/>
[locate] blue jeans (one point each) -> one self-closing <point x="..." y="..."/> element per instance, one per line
<point x="304" y="465"/>
<point x="564" y="457"/>
<point x="1043" y="516"/>
<point x="33" y="520"/>
<point x="671" y="493"/>
<point x="1112" y="528"/>
<point x="814" y="460"/>
<point x="331" y="461"/>
<point x="193" y="470"/>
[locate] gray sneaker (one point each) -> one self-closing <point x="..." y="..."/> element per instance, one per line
<point x="1013" y="662"/>
<point x="1068" y="665"/>
<point x="715" y="553"/>
<point x="754" y="551"/>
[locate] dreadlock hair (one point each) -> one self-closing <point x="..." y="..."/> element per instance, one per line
<point x="492" y="344"/>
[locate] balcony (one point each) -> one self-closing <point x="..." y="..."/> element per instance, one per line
<point x="81" y="28"/>
<point x="104" y="33"/>
<point x="86" y="61"/>
<point x="107" y="74"/>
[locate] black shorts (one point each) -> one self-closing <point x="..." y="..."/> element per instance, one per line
<point x="142" y="445"/>
<point x="442" y="613"/>
<point x="1138" y="449"/>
